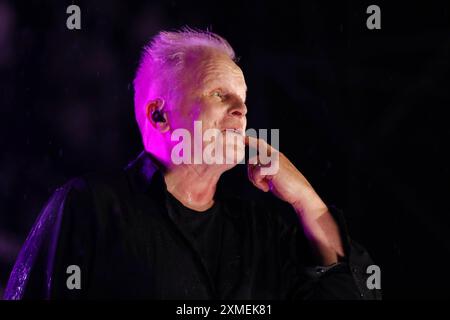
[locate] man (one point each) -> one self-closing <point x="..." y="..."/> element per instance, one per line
<point x="160" y="230"/>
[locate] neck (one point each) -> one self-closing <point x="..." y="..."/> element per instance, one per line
<point x="193" y="185"/>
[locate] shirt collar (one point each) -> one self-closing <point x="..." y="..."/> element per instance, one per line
<point x="146" y="177"/>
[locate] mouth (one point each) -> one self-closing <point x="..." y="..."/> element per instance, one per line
<point x="234" y="131"/>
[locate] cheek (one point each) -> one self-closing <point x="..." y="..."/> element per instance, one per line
<point x="186" y="115"/>
<point x="195" y="112"/>
<point x="211" y="116"/>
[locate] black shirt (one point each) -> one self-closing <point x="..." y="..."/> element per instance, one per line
<point x="203" y="230"/>
<point x="131" y="241"/>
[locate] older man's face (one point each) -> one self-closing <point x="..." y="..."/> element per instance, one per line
<point x="213" y="91"/>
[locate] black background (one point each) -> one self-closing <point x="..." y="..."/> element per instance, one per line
<point x="362" y="113"/>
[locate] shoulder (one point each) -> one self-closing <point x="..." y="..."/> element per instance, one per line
<point x="94" y="185"/>
<point x="92" y="202"/>
<point x="83" y="200"/>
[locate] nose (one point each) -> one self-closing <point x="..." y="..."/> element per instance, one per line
<point x="238" y="109"/>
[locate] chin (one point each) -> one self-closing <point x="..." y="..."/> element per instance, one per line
<point x="234" y="154"/>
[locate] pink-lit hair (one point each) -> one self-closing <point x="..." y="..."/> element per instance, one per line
<point x="163" y="59"/>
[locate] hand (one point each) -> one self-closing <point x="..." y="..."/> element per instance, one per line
<point x="287" y="183"/>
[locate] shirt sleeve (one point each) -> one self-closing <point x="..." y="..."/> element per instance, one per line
<point x="345" y="280"/>
<point x="57" y="239"/>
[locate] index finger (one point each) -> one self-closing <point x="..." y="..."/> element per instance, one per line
<point x="258" y="144"/>
<point x="252" y="142"/>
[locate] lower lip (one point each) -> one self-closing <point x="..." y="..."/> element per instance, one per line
<point x="234" y="132"/>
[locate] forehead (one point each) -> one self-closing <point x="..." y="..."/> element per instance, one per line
<point x="211" y="70"/>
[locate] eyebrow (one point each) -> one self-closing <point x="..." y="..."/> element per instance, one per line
<point x="210" y="81"/>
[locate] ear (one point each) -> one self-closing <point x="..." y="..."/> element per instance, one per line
<point x="153" y="105"/>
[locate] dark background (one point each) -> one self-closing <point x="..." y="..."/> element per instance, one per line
<point x="362" y="113"/>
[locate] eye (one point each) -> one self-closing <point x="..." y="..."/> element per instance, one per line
<point x="218" y="94"/>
